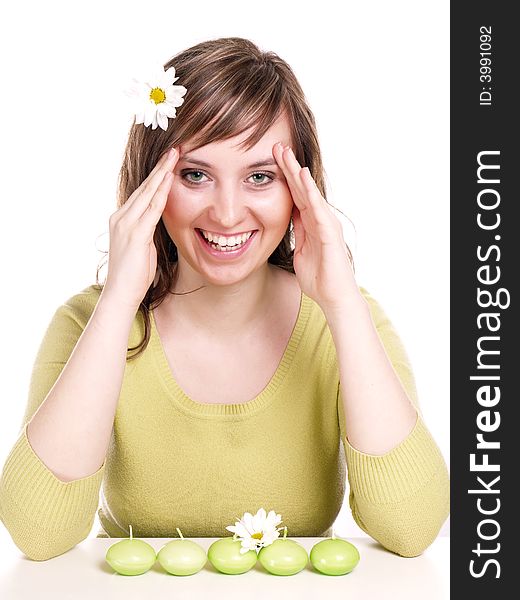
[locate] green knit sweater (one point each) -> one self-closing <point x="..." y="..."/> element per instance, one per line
<point x="173" y="462"/>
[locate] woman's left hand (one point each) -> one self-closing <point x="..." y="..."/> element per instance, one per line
<point x="321" y="261"/>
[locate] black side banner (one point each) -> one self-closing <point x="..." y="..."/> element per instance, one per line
<point x="485" y="257"/>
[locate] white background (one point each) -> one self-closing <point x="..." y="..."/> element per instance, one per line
<point x="376" y="75"/>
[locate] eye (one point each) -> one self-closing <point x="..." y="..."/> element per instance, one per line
<point x="185" y="173"/>
<point x="263" y="175"/>
<point x="188" y="177"/>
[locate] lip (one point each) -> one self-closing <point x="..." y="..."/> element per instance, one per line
<point x="228" y="234"/>
<point x="230" y="254"/>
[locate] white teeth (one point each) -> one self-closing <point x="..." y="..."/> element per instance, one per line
<point x="226" y="241"/>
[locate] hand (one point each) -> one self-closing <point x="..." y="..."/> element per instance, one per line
<point x="132" y="255"/>
<point x="321" y="261"/>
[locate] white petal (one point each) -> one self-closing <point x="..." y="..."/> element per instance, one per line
<point x="175" y="91"/>
<point x="148" y="114"/>
<point x="151" y="113"/>
<point x="150" y="83"/>
<point x="167" y="109"/>
<point x="168" y="77"/>
<point x="270" y="537"/>
<point x="156" y="75"/>
<point x="231" y="528"/>
<point x="154" y="120"/>
<point x="273" y="519"/>
<point x="246" y="546"/>
<point x="140" y="101"/>
<point x="139" y="117"/>
<point x="271" y="516"/>
<point x="179" y="89"/>
<point x="242" y="531"/>
<point x="153" y="80"/>
<point x="168" y="81"/>
<point x="132" y="93"/>
<point x="174" y="101"/>
<point x="162" y="120"/>
<point x="259" y="519"/>
<point x="247" y="520"/>
<point x="134" y="88"/>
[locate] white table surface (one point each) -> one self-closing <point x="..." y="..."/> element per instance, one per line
<point x="83" y="573"/>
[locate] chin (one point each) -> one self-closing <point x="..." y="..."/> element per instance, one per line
<point x="227" y="278"/>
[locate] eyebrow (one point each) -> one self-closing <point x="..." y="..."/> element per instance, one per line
<point x="259" y="163"/>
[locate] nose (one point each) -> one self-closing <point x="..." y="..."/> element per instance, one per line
<point x="228" y="207"/>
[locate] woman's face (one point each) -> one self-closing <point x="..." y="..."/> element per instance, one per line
<point x="217" y="189"/>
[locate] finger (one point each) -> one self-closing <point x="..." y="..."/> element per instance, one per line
<point x="291" y="168"/>
<point x="299" y="231"/>
<point x="302" y="179"/>
<point x="139" y="200"/>
<point x="313" y="193"/>
<point x="155" y="208"/>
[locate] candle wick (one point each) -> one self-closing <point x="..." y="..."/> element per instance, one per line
<point x="180" y="533"/>
<point x="130" y="531"/>
<point x="285" y="533"/>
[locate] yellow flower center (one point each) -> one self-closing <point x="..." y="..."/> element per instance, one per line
<point x="157" y="95"/>
<point x="257" y="536"/>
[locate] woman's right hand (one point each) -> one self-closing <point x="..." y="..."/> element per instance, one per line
<point x="132" y="261"/>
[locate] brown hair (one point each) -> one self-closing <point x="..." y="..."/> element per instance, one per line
<point x="231" y="86"/>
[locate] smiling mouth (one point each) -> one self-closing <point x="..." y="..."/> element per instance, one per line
<point x="226" y="248"/>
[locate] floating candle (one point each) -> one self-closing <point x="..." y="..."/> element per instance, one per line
<point x="283" y="556"/>
<point x="225" y="556"/>
<point x="131" y="557"/>
<point x="334" y="556"/>
<point x="182" y="557"/>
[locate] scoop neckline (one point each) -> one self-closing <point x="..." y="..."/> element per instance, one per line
<point x="219" y="410"/>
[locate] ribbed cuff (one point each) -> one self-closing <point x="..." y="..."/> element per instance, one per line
<point x="37" y="495"/>
<point x="398" y="474"/>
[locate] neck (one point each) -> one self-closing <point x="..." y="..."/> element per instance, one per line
<point x="232" y="311"/>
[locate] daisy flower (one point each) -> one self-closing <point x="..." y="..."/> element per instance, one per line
<point x="155" y="98"/>
<point x="257" y="531"/>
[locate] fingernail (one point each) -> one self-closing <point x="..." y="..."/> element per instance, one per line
<point x="172" y="152"/>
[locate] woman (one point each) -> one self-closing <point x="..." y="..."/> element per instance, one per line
<point x="253" y="366"/>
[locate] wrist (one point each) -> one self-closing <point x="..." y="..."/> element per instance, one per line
<point x="114" y="301"/>
<point x="109" y="310"/>
<point x="351" y="304"/>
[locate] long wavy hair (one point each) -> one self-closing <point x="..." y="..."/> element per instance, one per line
<point x="232" y="86"/>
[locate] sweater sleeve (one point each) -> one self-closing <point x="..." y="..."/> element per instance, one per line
<point x="401" y="498"/>
<point x="44" y="515"/>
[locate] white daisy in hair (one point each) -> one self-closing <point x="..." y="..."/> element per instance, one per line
<point x="155" y="98"/>
<point x="256" y="531"/>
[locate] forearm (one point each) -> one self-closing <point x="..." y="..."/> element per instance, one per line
<point x="378" y="413"/>
<point x="71" y="429"/>
<point x="399" y="483"/>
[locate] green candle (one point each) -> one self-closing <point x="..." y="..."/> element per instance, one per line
<point x="182" y="557"/>
<point x="225" y="556"/>
<point x="334" y="556"/>
<point x="283" y="556"/>
<point x="131" y="557"/>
